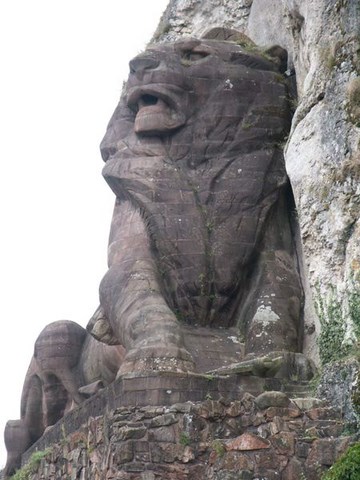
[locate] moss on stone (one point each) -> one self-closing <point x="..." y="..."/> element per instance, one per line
<point x="331" y="338"/>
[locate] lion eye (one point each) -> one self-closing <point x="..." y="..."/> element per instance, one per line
<point x="194" y="56"/>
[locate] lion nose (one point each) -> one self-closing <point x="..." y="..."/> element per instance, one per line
<point x="107" y="151"/>
<point x="139" y="64"/>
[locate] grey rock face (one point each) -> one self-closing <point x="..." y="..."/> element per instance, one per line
<point x="195" y="17"/>
<point x="339" y="385"/>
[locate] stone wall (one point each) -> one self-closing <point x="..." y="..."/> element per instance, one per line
<point x="264" y="437"/>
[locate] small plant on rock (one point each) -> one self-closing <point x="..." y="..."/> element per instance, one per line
<point x="27" y="471"/>
<point x="331" y="339"/>
<point x="184" y="439"/>
<point x="218" y="447"/>
<point x="347" y="467"/>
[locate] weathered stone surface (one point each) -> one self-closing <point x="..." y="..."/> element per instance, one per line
<point x="339" y="385"/>
<point x="128" y="432"/>
<point x="233" y="460"/>
<point x="294" y="470"/>
<point x="284" y="443"/>
<point x="191" y="17"/>
<point x="324" y="413"/>
<point x="123" y="453"/>
<point x="247" y="441"/>
<point x="202" y="193"/>
<point x="163" y="420"/>
<point x="272" y="399"/>
<point x="307" y="403"/>
<point x="288" y="413"/>
<point x="175" y="451"/>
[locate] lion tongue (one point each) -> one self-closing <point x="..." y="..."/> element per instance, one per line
<point x="154" y="117"/>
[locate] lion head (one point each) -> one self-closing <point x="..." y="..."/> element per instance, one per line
<point x="205" y="96"/>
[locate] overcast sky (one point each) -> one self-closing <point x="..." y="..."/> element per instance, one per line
<point x="62" y="67"/>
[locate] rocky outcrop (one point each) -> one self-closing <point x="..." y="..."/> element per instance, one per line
<point x="194" y="17"/>
<point x="340" y="386"/>
<point x="268" y="436"/>
<point x="322" y="152"/>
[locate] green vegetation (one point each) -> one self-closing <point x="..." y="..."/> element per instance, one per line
<point x="314" y="382"/>
<point x="218" y="447"/>
<point x="184" y="439"/>
<point x="331" y="338"/>
<point x="331" y="342"/>
<point x="244" y="41"/>
<point x="26" y="472"/>
<point x="246" y="125"/>
<point x="347" y="467"/>
<point x="354" y="311"/>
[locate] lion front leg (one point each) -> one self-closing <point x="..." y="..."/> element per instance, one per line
<point x="273" y="320"/>
<point x="274" y="323"/>
<point x="132" y="300"/>
<point x="142" y="321"/>
<point x="272" y="316"/>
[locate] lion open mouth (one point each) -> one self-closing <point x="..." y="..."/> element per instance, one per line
<point x="157" y="110"/>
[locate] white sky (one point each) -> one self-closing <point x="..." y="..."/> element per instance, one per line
<point x="62" y="67"/>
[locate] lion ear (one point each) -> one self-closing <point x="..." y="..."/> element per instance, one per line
<point x="279" y="55"/>
<point x="227" y="35"/>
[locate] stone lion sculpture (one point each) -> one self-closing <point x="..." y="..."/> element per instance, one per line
<point x="201" y="237"/>
<point x="201" y="233"/>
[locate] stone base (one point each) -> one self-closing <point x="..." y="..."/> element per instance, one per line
<point x="154" y="389"/>
<point x="220" y="349"/>
<point x="212" y="348"/>
<point x="167" y="388"/>
<point x="268" y="436"/>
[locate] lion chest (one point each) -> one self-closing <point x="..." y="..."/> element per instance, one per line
<point x="201" y="226"/>
<point x="197" y="218"/>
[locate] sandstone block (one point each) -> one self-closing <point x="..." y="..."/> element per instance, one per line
<point x="163" y="420"/>
<point x="247" y="441"/>
<point x="272" y="399"/>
